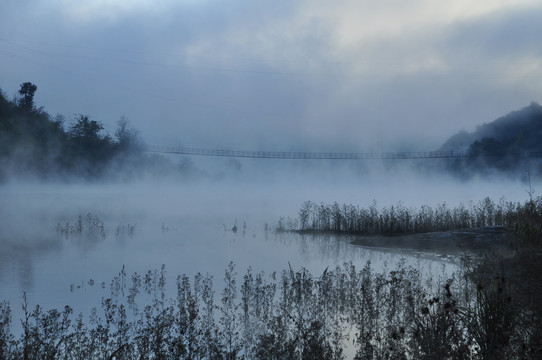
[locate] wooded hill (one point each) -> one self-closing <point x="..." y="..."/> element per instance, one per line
<point x="508" y="143"/>
<point x="35" y="145"/>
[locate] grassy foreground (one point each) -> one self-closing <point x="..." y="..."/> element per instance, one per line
<point x="490" y="309"/>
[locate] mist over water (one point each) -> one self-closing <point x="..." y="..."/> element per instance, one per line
<point x="187" y="227"/>
<point x="91" y="89"/>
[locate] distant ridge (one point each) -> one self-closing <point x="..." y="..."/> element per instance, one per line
<point x="507" y="144"/>
<point x="521" y="128"/>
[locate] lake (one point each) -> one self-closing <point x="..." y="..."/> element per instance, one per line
<point x="187" y="227"/>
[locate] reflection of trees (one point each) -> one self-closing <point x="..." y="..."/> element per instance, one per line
<point x="324" y="247"/>
<point x="20" y="257"/>
<point x="20" y="252"/>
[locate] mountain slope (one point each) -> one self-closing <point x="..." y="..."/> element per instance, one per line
<point x="521" y="128"/>
<point x="510" y="142"/>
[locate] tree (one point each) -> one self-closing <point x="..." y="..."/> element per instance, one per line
<point x="89" y="144"/>
<point x="127" y="137"/>
<point x="86" y="128"/>
<point x="27" y="91"/>
<point x="304" y="214"/>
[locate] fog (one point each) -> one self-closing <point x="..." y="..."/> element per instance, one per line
<point x="81" y="201"/>
<point x="197" y="214"/>
<point x="305" y="76"/>
<point x="185" y="224"/>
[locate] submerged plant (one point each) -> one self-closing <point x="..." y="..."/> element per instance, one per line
<point x="91" y="228"/>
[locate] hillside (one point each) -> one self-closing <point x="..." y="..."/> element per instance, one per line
<point x="37" y="146"/>
<point x="503" y="144"/>
<point x="521" y="128"/>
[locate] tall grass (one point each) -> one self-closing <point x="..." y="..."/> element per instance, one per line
<point x="299" y="316"/>
<point x="91" y="226"/>
<point x="484" y="312"/>
<point x="399" y="219"/>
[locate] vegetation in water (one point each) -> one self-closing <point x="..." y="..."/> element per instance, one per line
<point x="399" y="219"/>
<point x="491" y="309"/>
<point x="301" y="315"/>
<point x="91" y="227"/>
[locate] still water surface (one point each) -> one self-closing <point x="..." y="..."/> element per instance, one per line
<point x="185" y="227"/>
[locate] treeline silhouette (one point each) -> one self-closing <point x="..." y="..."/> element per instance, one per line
<point x="505" y="145"/>
<point x="399" y="219"/>
<point x="34" y="144"/>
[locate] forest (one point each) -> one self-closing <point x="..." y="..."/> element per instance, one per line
<point x="37" y="146"/>
<point x="506" y="145"/>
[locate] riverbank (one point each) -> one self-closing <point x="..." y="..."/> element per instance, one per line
<point x="449" y="242"/>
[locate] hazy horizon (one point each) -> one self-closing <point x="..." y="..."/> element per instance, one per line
<point x="280" y="76"/>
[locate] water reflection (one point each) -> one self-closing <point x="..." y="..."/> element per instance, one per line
<point x="321" y="251"/>
<point x="189" y="247"/>
<point x="183" y="229"/>
<point x="17" y="259"/>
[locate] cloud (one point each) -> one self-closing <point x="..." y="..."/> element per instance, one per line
<point x="83" y="12"/>
<point x="504" y="40"/>
<point x="281" y="75"/>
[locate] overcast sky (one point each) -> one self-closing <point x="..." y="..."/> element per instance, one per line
<point x="313" y="75"/>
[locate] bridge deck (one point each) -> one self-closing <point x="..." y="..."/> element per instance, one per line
<point x="317" y="155"/>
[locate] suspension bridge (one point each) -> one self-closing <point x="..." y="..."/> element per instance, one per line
<point x="301" y="155"/>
